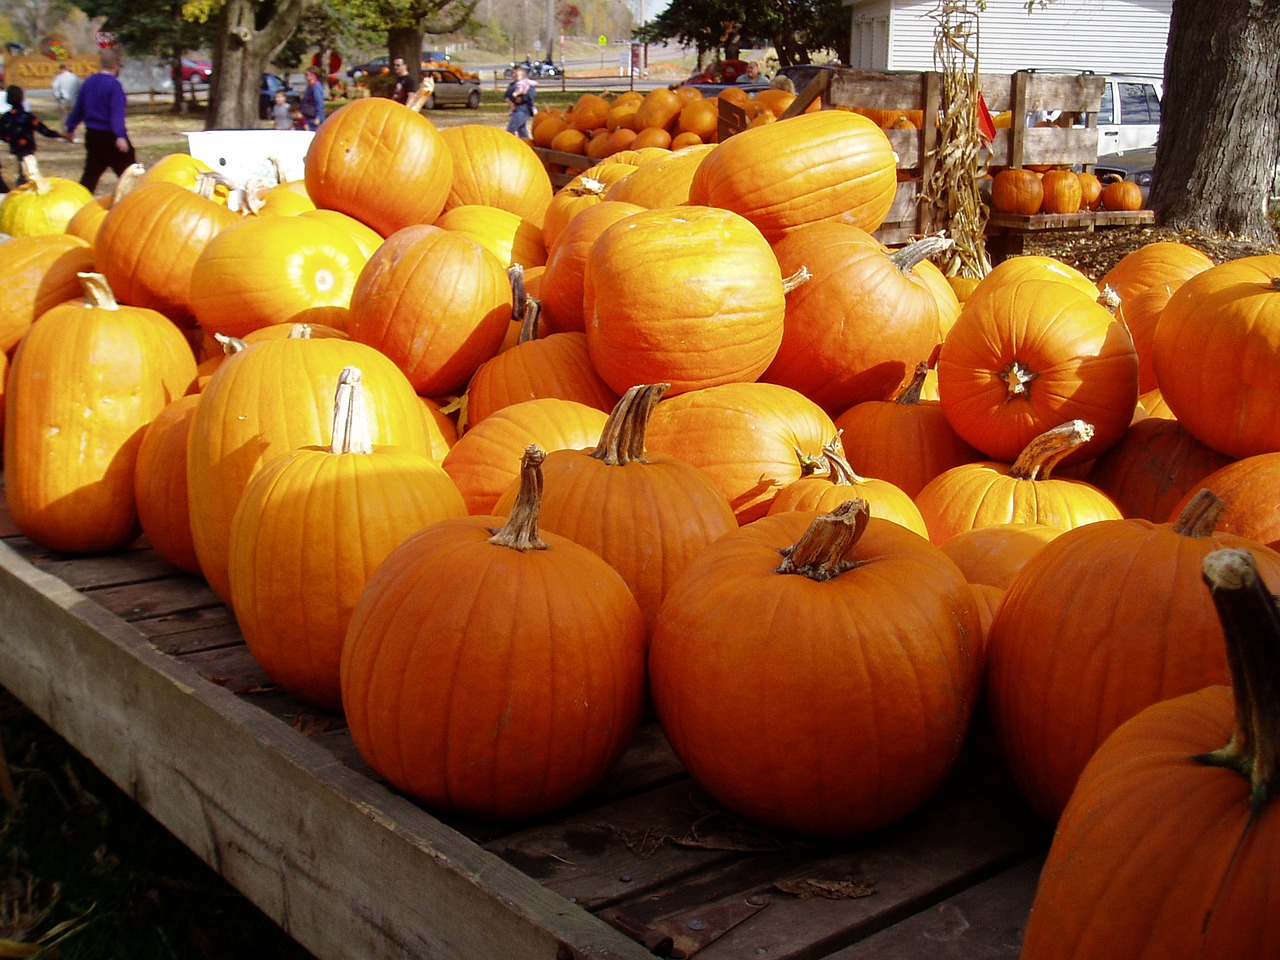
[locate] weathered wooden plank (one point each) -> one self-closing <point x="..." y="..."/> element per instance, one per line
<point x="345" y="866"/>
<point x="985" y="922"/>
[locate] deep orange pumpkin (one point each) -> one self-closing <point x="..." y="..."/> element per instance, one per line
<point x="160" y="484"/>
<point x="1062" y="192"/>
<point x="564" y="279"/>
<point x="38" y="273"/>
<point x="1159" y="262"/>
<point x="1250" y="491"/>
<point x="1017" y="190"/>
<point x="1122" y="195"/>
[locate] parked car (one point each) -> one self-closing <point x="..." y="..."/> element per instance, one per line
<point x="1129" y="117"/>
<point x="434" y="56"/>
<point x="196" y="70"/>
<point x="267" y="93"/>
<point x="452" y="90"/>
<point x="1136" y="165"/>
<point x="371" y="68"/>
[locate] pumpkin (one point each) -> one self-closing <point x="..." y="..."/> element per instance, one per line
<point x="993" y="555"/>
<point x="185" y="171"/>
<point x="1015" y="270"/>
<point x="504" y="234"/>
<point x="502" y="702"/>
<point x="906" y="441"/>
<point x="663" y="304"/>
<point x="1062" y="192"/>
<point x="1017" y="190"/>
<point x="1160" y="262"/>
<point x="835" y="482"/>
<point x="268" y="399"/>
<point x="1102" y="622"/>
<point x="645" y="513"/>
<point x="365" y="237"/>
<point x="265" y="199"/>
<point x="38" y="273"/>
<point x="564" y="280"/>
<point x="856" y="327"/>
<point x="700" y="117"/>
<point x="1250" y="491"/>
<point x="1122" y="195"/>
<point x="829" y="165"/>
<point x="1155" y="466"/>
<point x="1215" y="354"/>
<point x="356" y="503"/>
<point x="661" y="183"/>
<point x="42" y="205"/>
<point x="774" y="710"/>
<point x="435" y="302"/>
<point x="86" y="380"/>
<point x="752" y="439"/>
<point x="157" y="217"/>
<point x="1090" y="190"/>
<point x="1030" y="355"/>
<point x="494" y="169"/>
<point x="1169" y="841"/>
<point x="382" y="163"/>
<point x="160" y="484"/>
<point x="268" y="270"/>
<point x="579" y="194"/>
<point x="659" y="109"/>
<point x="1140" y="312"/>
<point x="988" y="492"/>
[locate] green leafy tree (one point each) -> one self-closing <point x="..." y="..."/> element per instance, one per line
<point x="796" y="28"/>
<point x="406" y="21"/>
<point x="156" y="28"/>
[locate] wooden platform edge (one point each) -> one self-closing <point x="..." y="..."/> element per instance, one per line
<point x="345" y="866"/>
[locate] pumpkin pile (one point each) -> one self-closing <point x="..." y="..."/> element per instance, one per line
<point x="681" y="432"/>
<point x="1025" y="191"/>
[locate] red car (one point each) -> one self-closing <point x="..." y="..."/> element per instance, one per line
<point x="196" y="70"/>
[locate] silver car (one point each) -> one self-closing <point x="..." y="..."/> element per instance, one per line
<point x="452" y="90"/>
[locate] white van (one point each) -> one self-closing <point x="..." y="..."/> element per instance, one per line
<point x="1129" y="117"/>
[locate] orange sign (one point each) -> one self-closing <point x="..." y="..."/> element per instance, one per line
<point x="36" y="73"/>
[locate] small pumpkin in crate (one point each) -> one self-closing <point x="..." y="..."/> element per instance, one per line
<point x="1017" y="190"/>
<point x="1122" y="195"/>
<point x="1062" y="192"/>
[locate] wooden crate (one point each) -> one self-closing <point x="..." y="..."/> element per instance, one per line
<point x="143" y="670"/>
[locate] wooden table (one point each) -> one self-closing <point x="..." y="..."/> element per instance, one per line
<point x="143" y="670"/>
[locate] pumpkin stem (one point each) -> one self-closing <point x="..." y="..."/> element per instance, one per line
<point x="300" y="331"/>
<point x="797" y="279"/>
<point x="1109" y="298"/>
<point x="418" y="99"/>
<point x="230" y="345"/>
<point x="839" y="470"/>
<point x="584" y="186"/>
<point x="31" y="170"/>
<point x="1199" y="518"/>
<point x="1017" y="378"/>
<point x="820" y="552"/>
<point x="1043" y="453"/>
<point x="350" y="422"/>
<point x="207" y="181"/>
<point x="622" y="440"/>
<point x="131" y="178"/>
<point x="520" y="532"/>
<point x="515" y="277"/>
<point x="97" y="291"/>
<point x="910" y="394"/>
<point x="1275" y="284"/>
<point x="906" y="258"/>
<point x="1250" y="618"/>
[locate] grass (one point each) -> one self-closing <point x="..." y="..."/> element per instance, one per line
<point x="86" y="874"/>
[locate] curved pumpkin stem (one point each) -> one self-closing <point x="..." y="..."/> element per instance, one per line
<point x="622" y="440"/>
<point x="910" y="394"/>
<point x="350" y="422"/>
<point x="31" y="170"/>
<point x="839" y="470"/>
<point x="906" y="258"/>
<point x="418" y="99"/>
<point x="820" y="552"/>
<point x="129" y="180"/>
<point x="230" y="345"/>
<point x="797" y="279"/>
<point x="97" y="291"/>
<point x="1250" y="618"/>
<point x="1199" y="518"/>
<point x="521" y="529"/>
<point x="1042" y="454"/>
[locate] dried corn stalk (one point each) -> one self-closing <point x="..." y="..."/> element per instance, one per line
<point x="960" y="159"/>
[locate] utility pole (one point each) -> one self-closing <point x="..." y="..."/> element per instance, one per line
<point x="551" y="30"/>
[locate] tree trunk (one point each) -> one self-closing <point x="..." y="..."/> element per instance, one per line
<point x="241" y="54"/>
<point x="407" y="42"/>
<point x="1220" y="118"/>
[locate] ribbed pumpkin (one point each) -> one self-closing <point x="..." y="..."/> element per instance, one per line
<point x="836" y="482"/>
<point x="1168" y="846"/>
<point x="829" y="165"/>
<point x="38" y="273"/>
<point x="486" y="458"/>
<point x="382" y="163"/>
<point x="660" y="183"/>
<point x="856" y="328"/>
<point x="506" y="235"/>
<point x="647" y="514"/>
<point x="365" y="237"/>
<point x="1090" y="191"/>
<point x="43" y="205"/>
<point x="1062" y="192"/>
<point x="267" y="270"/>
<point x="660" y="109"/>
<point x="184" y="170"/>
<point x="565" y="277"/>
<point x="436" y="303"/>
<point x="160" y="484"/>
<point x="1017" y="190"/>
<point x="86" y="380"/>
<point x="1140" y="312"/>
<point x="1161" y="262"/>
<point x="778" y="710"/>
<point x="993" y="555"/>
<point x="1102" y="622"/>
<point x="150" y="240"/>
<point x="495" y="169"/>
<point x="506" y="701"/>
<point x="662" y="303"/>
<point x="1031" y="355"/>
<point x="1216" y="352"/>
<point x="353" y="503"/>
<point x="1122" y="195"/>
<point x="752" y="439"/>
<point x="987" y="492"/>
<point x="580" y="193"/>
<point x="700" y="117"/>
<point x="1250" y="491"/>
<point x="907" y="440"/>
<point x="271" y="398"/>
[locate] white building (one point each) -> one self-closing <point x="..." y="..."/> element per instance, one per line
<point x="1064" y="36"/>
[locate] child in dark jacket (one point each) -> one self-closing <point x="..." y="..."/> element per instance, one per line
<point x="18" y="128"/>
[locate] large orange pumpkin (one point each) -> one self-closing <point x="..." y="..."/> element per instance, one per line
<point x="829" y="165"/>
<point x="382" y="163"/>
<point x="493" y="168"/>
<point x="38" y="273"/>
<point x="1250" y="491"/>
<point x="1160" y="262"/>
<point x="565" y="277"/>
<point x="663" y="304"/>
<point x="160" y="484"/>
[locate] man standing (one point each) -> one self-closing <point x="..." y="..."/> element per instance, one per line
<point x="313" y="99"/>
<point x="402" y="86"/>
<point x="65" y="86"/>
<point x="100" y="106"/>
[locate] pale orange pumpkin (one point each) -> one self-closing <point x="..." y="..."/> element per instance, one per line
<point x="493" y="168"/>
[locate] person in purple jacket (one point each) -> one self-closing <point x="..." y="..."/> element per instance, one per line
<point x="100" y="106"/>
